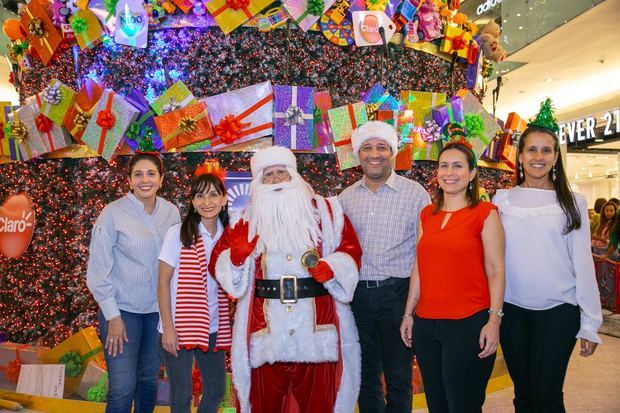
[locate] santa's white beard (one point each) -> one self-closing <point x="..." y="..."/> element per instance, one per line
<point x="283" y="216"/>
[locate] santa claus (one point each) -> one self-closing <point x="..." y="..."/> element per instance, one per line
<point x="292" y="260"/>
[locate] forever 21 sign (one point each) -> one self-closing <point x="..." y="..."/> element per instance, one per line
<point x="590" y="128"/>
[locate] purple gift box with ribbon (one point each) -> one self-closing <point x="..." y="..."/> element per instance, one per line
<point x="145" y="120"/>
<point x="451" y="111"/>
<point x="293" y="118"/>
<point x="379" y="96"/>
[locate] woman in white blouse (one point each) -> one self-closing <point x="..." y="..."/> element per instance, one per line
<point x="552" y="296"/>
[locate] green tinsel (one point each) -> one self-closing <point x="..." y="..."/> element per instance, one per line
<point x="110" y="6"/>
<point x="73" y="363"/>
<point x="315" y="7"/>
<point x="79" y="25"/>
<point x="545" y="118"/>
<point x="474" y="125"/>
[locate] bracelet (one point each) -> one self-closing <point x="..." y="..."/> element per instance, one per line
<point x="498" y="313"/>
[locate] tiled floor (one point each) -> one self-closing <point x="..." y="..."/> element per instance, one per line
<point x="592" y="384"/>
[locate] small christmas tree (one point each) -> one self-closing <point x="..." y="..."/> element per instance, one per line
<point x="545" y="118"/>
<point x="146" y="143"/>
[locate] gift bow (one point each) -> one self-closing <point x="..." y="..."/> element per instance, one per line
<point x="315" y="7"/>
<point x="81" y="120"/>
<point x="474" y="125"/>
<point x="79" y="25"/>
<point x="35" y="28"/>
<point x="238" y="4"/>
<point x="459" y="42"/>
<point x="106" y="119"/>
<point x="73" y="363"/>
<point x="371" y="110"/>
<point x="172" y="105"/>
<point x="431" y="131"/>
<point x="294" y="115"/>
<point x="52" y="95"/>
<point x="43" y="123"/>
<point x="18" y="131"/>
<point x="187" y="124"/>
<point x="134" y="131"/>
<point x="376" y="5"/>
<point x="229" y="128"/>
<point x="12" y="369"/>
<point x="98" y="392"/>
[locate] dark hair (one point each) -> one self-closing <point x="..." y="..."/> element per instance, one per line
<point x="604" y="222"/>
<point x="598" y="204"/>
<point x="148" y="157"/>
<point x="615" y="201"/>
<point x="473" y="191"/>
<point x="564" y="195"/>
<point x="190" y="232"/>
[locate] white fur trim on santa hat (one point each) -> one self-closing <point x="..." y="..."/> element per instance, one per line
<point x="271" y="156"/>
<point x="374" y="129"/>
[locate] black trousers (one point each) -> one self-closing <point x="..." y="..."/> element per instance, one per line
<point x="455" y="378"/>
<point x="537" y="346"/>
<point x="378" y="313"/>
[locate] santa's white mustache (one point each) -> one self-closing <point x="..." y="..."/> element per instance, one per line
<point x="264" y="188"/>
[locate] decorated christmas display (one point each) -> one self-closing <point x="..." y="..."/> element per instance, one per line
<point x="199" y="80"/>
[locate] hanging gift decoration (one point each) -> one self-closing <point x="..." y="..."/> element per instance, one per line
<point x="111" y="119"/>
<point x="87" y="29"/>
<point x="293" y="117"/>
<point x="344" y="120"/>
<point x="175" y="97"/>
<point x="485" y="128"/>
<point x="132" y="23"/>
<point x="306" y="12"/>
<point x="230" y="14"/>
<point x="456" y="40"/>
<point x="145" y="120"/>
<point x="241" y="115"/>
<point x="322" y="133"/>
<point x="185" y="126"/>
<point x="56" y="99"/>
<point x="42" y="34"/>
<point x="80" y="112"/>
<point x="421" y="103"/>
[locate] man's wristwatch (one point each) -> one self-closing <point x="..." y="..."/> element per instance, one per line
<point x="498" y="313"/>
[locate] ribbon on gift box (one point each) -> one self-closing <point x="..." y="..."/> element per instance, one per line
<point x="38" y="30"/>
<point x="105" y="120"/>
<point x="133" y="132"/>
<point x="186" y="124"/>
<point x="294" y="116"/>
<point x="345" y="142"/>
<point x="12" y="369"/>
<point x="74" y="362"/>
<point x="230" y="128"/>
<point x="457" y="42"/>
<point x="81" y="119"/>
<point x="47" y="131"/>
<point x="235" y="5"/>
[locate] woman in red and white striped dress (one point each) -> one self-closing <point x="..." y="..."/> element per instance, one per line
<point x="194" y="314"/>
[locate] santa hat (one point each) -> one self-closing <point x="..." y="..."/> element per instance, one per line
<point x="374" y="129"/>
<point x="271" y="156"/>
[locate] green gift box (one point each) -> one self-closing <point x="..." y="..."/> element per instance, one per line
<point x="56" y="99"/>
<point x="176" y="97"/>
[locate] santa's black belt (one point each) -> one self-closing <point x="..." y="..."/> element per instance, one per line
<point x="288" y="289"/>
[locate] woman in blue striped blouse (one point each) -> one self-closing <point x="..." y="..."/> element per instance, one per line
<point x="122" y="276"/>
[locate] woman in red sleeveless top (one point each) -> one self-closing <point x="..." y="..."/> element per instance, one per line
<point x="457" y="288"/>
<point x="194" y="314"/>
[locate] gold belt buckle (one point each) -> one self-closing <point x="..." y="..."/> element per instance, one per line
<point x="286" y="295"/>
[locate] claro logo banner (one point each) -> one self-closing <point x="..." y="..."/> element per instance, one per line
<point x="366" y="26"/>
<point x="16" y="225"/>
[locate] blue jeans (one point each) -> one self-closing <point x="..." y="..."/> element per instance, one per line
<point x="212" y="372"/>
<point x="133" y="374"/>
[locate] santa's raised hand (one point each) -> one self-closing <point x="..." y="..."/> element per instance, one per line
<point x="240" y="247"/>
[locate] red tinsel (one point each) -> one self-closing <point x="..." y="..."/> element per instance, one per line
<point x="43" y="123"/>
<point x="105" y="119"/>
<point x="237" y="4"/>
<point x="229" y="129"/>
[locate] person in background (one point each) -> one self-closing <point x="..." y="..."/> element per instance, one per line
<point x="600" y="239"/>
<point x="194" y="310"/>
<point x="598" y="207"/>
<point x="456" y="292"/>
<point x="384" y="209"/>
<point x="615" y="201"/>
<point x="551" y="296"/>
<point x="122" y="276"/>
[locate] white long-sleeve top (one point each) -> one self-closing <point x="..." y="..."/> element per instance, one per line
<point x="544" y="266"/>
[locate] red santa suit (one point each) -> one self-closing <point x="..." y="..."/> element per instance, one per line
<point x="273" y="342"/>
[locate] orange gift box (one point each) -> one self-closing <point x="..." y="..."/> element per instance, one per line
<point x="42" y="34"/>
<point x="184" y="126"/>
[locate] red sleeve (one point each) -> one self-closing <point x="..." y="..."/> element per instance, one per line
<point x="484" y="208"/>
<point x="349" y="243"/>
<point x="222" y="244"/>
